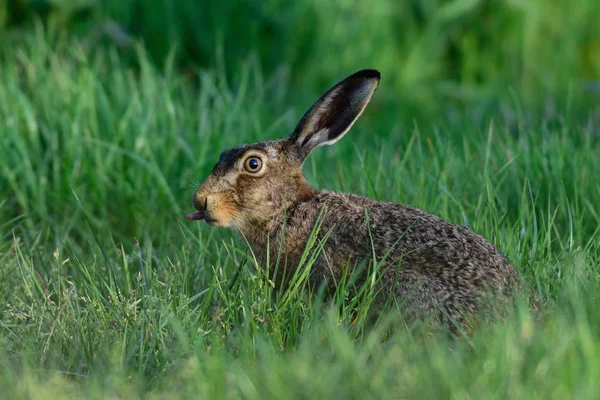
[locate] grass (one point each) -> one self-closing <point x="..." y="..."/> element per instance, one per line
<point x="106" y="290"/>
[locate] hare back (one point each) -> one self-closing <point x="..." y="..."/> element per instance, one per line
<point x="444" y="263"/>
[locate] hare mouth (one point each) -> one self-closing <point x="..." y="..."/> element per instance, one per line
<point x="197" y="216"/>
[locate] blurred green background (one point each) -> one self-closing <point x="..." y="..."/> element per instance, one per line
<point x="435" y="55"/>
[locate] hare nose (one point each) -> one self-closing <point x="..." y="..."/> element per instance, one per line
<point x="200" y="201"/>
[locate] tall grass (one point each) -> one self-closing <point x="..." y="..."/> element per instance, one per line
<point x="106" y="291"/>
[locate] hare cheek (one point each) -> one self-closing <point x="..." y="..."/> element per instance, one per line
<point x="222" y="211"/>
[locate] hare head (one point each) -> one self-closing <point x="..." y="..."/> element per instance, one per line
<point x="253" y="183"/>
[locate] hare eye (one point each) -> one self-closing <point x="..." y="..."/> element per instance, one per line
<point x="253" y="164"/>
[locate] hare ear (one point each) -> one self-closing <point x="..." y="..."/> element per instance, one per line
<point x="334" y="113"/>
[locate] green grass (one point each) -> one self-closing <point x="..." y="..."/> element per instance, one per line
<point x="107" y="291"/>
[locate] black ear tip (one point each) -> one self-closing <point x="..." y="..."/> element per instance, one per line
<point x="367" y="74"/>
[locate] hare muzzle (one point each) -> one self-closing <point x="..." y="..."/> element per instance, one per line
<point x="216" y="208"/>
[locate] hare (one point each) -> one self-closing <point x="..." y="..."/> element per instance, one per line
<point x="435" y="270"/>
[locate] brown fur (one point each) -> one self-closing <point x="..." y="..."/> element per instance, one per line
<point x="433" y="267"/>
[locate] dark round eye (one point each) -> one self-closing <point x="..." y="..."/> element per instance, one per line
<point x="253" y="164"/>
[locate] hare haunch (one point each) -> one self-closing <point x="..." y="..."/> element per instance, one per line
<point x="432" y="267"/>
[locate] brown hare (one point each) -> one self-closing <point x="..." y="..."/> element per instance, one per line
<point x="433" y="268"/>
